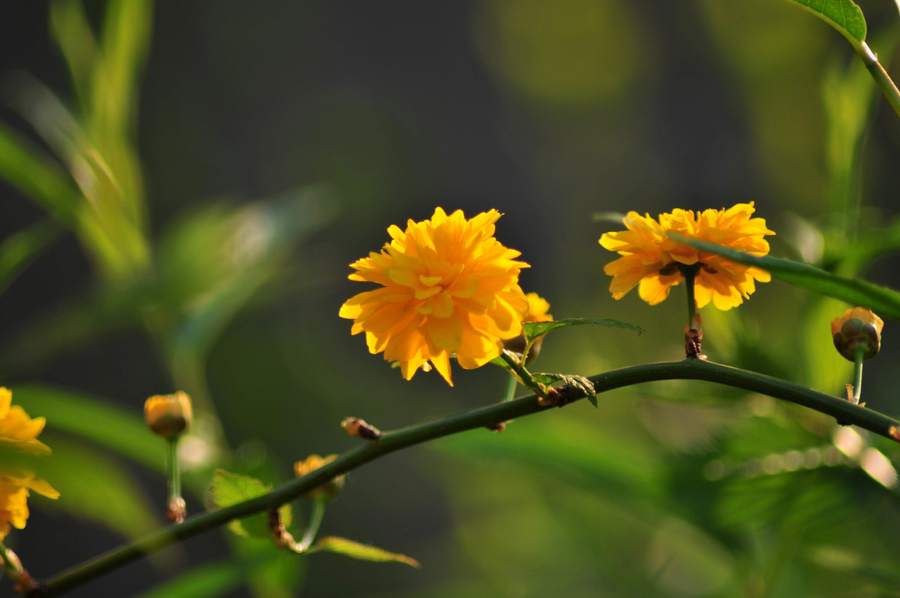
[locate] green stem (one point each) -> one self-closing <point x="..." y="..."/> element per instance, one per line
<point x="689" y="369"/>
<point x="511" y="385"/>
<point x="520" y="370"/>
<point x="888" y="87"/>
<point x="857" y="377"/>
<point x="174" y="470"/>
<point x="315" y="522"/>
<point x="690" y="273"/>
<point x="7" y="563"/>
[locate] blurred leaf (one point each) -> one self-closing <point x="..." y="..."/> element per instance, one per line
<point x="883" y="300"/>
<point x="844" y="15"/>
<point x="36" y="177"/>
<point x="211" y="263"/>
<point x="362" y="552"/>
<point x="577" y="452"/>
<point x="72" y="31"/>
<point x="19" y="249"/>
<point x="97" y="488"/>
<point x="231" y="488"/>
<point x="206" y="580"/>
<point x="109" y="228"/>
<point x="124" y="432"/>
<point x="536" y="329"/>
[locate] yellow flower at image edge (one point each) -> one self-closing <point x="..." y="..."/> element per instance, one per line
<point x="18" y="434"/>
<point x="448" y="288"/>
<point x="653" y="262"/>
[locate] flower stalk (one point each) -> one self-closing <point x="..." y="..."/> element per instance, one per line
<point x="857" y="377"/>
<point x="176" y="509"/>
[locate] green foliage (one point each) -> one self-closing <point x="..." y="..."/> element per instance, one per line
<point x="883" y="300"/>
<point x="844" y="15"/>
<point x="119" y="430"/>
<point x="200" y="582"/>
<point x="361" y="552"/>
<point x="96" y="487"/>
<point x="229" y="488"/>
<point x="536" y="329"/>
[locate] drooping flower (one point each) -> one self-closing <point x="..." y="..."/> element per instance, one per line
<point x="169" y="415"/>
<point x="857" y="330"/>
<point x="654" y="262"/>
<point x="448" y="288"/>
<point x="18" y="437"/>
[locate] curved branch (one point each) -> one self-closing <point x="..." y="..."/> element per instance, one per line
<point x="690" y="369"/>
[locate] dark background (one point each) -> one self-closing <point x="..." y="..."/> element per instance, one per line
<point x="549" y="113"/>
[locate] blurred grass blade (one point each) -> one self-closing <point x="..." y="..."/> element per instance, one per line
<point x="72" y="32"/>
<point x="123" y="432"/>
<point x="536" y="329"/>
<point x="124" y="43"/>
<point x="218" y="579"/>
<point x="883" y="300"/>
<point x="844" y="15"/>
<point x="362" y="552"/>
<point x="18" y="250"/>
<point x="36" y="177"/>
<point x="95" y="487"/>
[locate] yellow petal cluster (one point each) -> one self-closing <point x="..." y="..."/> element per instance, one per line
<point x="18" y="434"/>
<point x="313" y="462"/>
<point x="652" y="261"/>
<point x="538" y="309"/>
<point x="448" y="288"/>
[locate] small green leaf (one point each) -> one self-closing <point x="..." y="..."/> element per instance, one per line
<point x="883" y="300"/>
<point x="231" y="488"/>
<point x="536" y="329"/>
<point x="362" y="552"/>
<point x="844" y="15"/>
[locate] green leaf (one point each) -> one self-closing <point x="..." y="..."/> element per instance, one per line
<point x="844" y="15"/>
<point x="362" y="552"/>
<point x="22" y="166"/>
<point x="536" y="329"/>
<point x="207" y="580"/>
<point x="229" y="488"/>
<point x="112" y="427"/>
<point x="19" y="249"/>
<point x="883" y="300"/>
<point x="95" y="487"/>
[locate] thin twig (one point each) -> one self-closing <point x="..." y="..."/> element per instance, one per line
<point x="689" y="369"/>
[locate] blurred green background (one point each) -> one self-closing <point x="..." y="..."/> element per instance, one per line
<point x="183" y="186"/>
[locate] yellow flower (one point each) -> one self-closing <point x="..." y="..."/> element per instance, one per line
<point x="448" y="288"/>
<point x="538" y="309"/>
<point x="857" y="329"/>
<point x="18" y="434"/>
<point x="169" y="415"/>
<point x="653" y="261"/>
<point x="330" y="488"/>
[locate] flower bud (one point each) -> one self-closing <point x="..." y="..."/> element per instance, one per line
<point x="538" y="311"/>
<point x="857" y="330"/>
<point x="330" y="488"/>
<point x="169" y="415"/>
